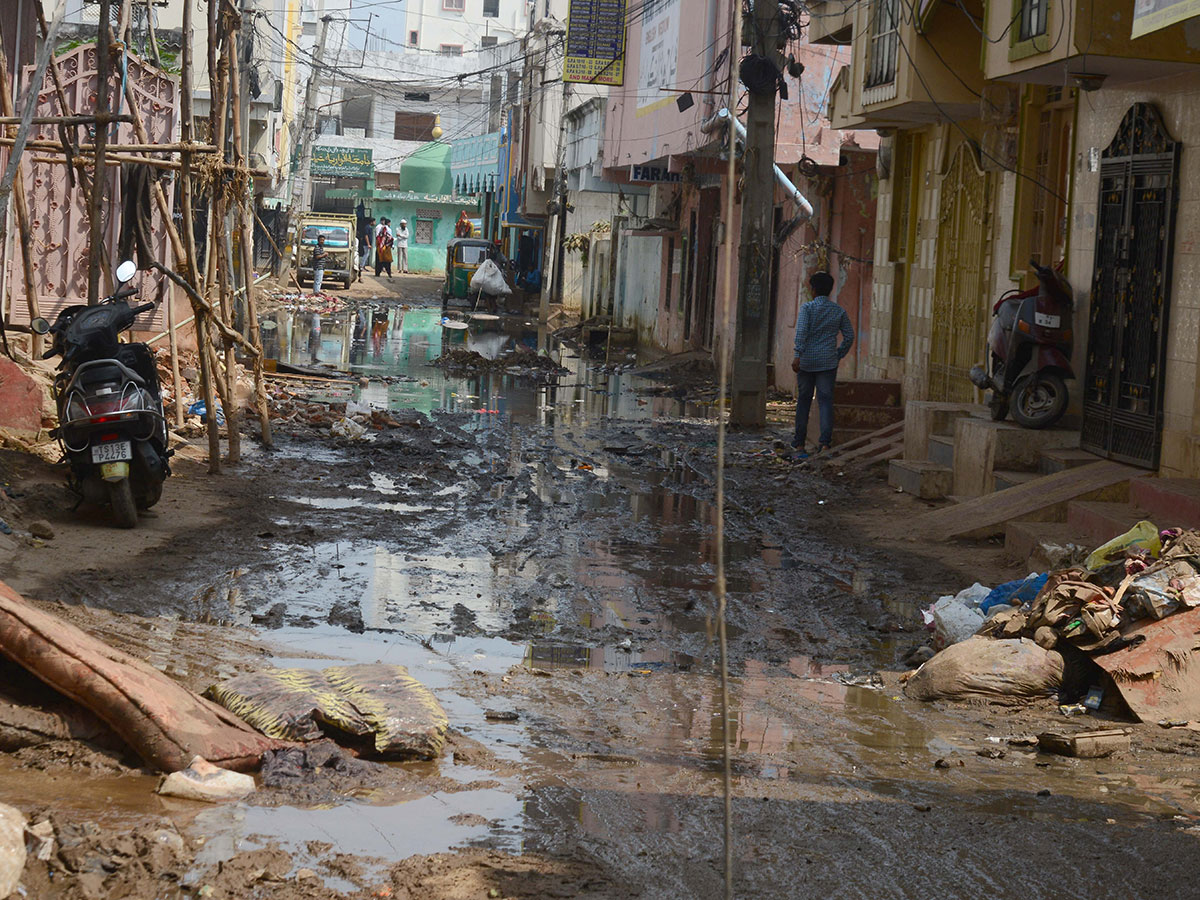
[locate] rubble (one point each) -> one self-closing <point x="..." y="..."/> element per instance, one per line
<point x="201" y="780"/>
<point x="12" y="848"/>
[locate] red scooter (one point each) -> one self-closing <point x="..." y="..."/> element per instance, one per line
<point x="1029" y="350"/>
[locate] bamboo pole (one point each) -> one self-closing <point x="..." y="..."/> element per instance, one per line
<point x="42" y="144"/>
<point x="22" y="208"/>
<point x="218" y="116"/>
<point x="241" y="184"/>
<point x="153" y="36"/>
<point x="96" y="198"/>
<point x="176" y="381"/>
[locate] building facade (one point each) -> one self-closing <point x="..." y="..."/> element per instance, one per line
<point x="1052" y="135"/>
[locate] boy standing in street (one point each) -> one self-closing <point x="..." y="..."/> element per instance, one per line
<point x="817" y="356"/>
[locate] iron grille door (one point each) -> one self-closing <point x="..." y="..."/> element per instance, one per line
<point x="1127" y="327"/>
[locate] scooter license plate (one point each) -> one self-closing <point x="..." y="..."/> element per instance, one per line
<point x="1045" y="321"/>
<point x="113" y="451"/>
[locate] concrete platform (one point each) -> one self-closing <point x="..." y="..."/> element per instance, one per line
<point x="1042" y="499"/>
<point x="1099" y="521"/>
<point x="1007" y="478"/>
<point x="1169" y="502"/>
<point x="1057" y="459"/>
<point x="982" y="446"/>
<point x="924" y="418"/>
<point x="941" y="450"/>
<point x="921" y="478"/>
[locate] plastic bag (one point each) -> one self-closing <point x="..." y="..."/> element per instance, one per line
<point x="956" y="617"/>
<point x="489" y="279"/>
<point x="1014" y="593"/>
<point x="1142" y="536"/>
<point x="1009" y="670"/>
<point x="348" y="429"/>
<point x="199" y="409"/>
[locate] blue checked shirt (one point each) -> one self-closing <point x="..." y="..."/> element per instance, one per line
<point x="817" y="328"/>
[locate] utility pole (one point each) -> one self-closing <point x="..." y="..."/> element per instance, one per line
<point x="301" y="178"/>
<point x="552" y="287"/>
<point x="751" y="352"/>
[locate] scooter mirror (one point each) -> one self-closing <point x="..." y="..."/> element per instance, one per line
<point x="39" y="326"/>
<point x="126" y="271"/>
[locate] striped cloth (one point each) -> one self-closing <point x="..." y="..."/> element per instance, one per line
<point x="817" y="328"/>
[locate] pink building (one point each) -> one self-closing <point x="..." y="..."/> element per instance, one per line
<point x="668" y="269"/>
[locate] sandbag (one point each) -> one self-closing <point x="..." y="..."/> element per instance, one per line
<point x="290" y="704"/>
<point x="489" y="279"/>
<point x="163" y="721"/>
<point x="379" y="708"/>
<point x="406" y="717"/>
<point x="1005" y="670"/>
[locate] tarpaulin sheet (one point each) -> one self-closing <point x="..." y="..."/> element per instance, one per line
<point x="1159" y="675"/>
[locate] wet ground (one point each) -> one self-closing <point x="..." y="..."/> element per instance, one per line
<point x="548" y="549"/>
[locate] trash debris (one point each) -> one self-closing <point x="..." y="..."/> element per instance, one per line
<point x="956" y="617"/>
<point x="377" y="707"/>
<point x="165" y="723"/>
<point x="1085" y="744"/>
<point x="1073" y="709"/>
<point x="1095" y="696"/>
<point x="1157" y="670"/>
<point x="12" y="848"/>
<point x="490" y="280"/>
<point x="199" y="409"/>
<point x="39" y="840"/>
<point x="500" y="715"/>
<point x="1143" y="536"/>
<point x="348" y="429"/>
<point x="998" y="670"/>
<point x="1014" y="593"/>
<point x="201" y="780"/>
<point x="295" y="765"/>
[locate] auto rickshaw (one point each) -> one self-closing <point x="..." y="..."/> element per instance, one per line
<point x="463" y="257"/>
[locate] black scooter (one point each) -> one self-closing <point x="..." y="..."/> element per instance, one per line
<point x="110" y="412"/>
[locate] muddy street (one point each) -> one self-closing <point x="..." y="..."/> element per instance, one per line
<point x="540" y="553"/>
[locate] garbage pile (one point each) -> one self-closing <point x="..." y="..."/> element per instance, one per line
<point x="347" y="419"/>
<point x="1132" y="610"/>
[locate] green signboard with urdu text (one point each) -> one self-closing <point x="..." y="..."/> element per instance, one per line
<point x="348" y="162"/>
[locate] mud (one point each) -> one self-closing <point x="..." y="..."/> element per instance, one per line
<point x="542" y="557"/>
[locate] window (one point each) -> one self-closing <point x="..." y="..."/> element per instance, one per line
<point x="881" y="67"/>
<point x="488" y="40"/>
<point x="412" y="39"/>
<point x="491" y="9"/>
<point x="416" y="97"/>
<point x="413" y="126"/>
<point x="423" y="233"/>
<point x="1033" y="19"/>
<point x="454" y="5"/>
<point x="450" y="49"/>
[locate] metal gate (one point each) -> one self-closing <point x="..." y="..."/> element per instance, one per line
<point x="960" y="283"/>
<point x="1127" y="328"/>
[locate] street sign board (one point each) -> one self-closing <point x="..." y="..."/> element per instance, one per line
<point x="595" y="42"/>
<point x="346" y="162"/>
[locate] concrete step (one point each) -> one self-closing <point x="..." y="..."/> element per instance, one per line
<point x="1169" y="502"/>
<point x="1006" y="478"/>
<point x="941" y="450"/>
<point x="1100" y="521"/>
<point x="1044" y="546"/>
<point x="1059" y="458"/>
<point x="867" y="393"/>
<point x="923" y="418"/>
<point x="921" y="478"/>
<point x="982" y="446"/>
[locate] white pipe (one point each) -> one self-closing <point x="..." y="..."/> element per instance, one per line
<point x="722" y="118"/>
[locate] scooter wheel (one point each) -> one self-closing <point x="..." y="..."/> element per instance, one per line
<point x="1039" y="400"/>
<point x="120" y="495"/>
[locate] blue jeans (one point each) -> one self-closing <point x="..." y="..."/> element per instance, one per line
<point x="823" y="383"/>
<point x="318" y="277"/>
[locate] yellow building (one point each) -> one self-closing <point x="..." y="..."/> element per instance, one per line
<point x="1034" y="129"/>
